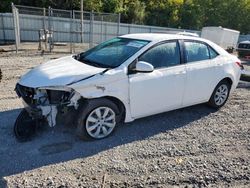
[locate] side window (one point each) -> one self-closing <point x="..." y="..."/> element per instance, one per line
<point x="196" y="51"/>
<point x="163" y="55"/>
<point x="213" y="53"/>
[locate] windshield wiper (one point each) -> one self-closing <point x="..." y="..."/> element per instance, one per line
<point x="93" y="63"/>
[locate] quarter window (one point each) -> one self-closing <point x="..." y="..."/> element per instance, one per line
<point x="213" y="53"/>
<point x="163" y="55"/>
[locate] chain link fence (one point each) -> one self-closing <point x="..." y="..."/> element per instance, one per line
<point x="70" y="31"/>
<point x="67" y="31"/>
<point x="62" y="30"/>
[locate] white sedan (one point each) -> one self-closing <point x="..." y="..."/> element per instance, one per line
<point x="123" y="79"/>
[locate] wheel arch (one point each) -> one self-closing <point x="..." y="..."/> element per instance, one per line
<point x="211" y="102"/>
<point x="228" y="79"/>
<point x="120" y="105"/>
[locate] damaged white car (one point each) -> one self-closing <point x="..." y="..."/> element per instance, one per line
<point x="123" y="79"/>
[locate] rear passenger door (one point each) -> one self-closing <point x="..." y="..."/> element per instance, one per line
<point x="200" y="72"/>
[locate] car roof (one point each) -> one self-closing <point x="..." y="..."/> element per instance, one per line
<point x="156" y="37"/>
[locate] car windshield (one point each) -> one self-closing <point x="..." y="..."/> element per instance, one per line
<point x="112" y="53"/>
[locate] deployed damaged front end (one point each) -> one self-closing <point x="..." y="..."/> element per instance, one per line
<point x="44" y="104"/>
<point x="47" y="95"/>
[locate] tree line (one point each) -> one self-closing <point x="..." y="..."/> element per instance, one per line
<point x="185" y="14"/>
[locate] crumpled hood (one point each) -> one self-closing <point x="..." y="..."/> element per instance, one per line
<point x="59" y="72"/>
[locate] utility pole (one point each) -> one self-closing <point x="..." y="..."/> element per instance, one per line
<point x="81" y="21"/>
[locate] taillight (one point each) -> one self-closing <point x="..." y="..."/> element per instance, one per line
<point x="239" y="64"/>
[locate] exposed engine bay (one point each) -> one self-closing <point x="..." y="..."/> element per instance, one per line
<point x="47" y="102"/>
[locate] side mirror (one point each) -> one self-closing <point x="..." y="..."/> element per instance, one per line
<point x="142" y="66"/>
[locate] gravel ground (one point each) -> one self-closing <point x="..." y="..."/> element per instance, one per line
<point x="191" y="147"/>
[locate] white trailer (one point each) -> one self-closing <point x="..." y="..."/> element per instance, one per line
<point x="226" y="38"/>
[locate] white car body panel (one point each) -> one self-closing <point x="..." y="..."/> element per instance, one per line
<point x="142" y="94"/>
<point x="58" y="72"/>
<point x="166" y="85"/>
<point x="226" y="67"/>
<point x="196" y="90"/>
<point x="114" y="83"/>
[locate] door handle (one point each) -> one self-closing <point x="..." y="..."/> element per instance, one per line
<point x="219" y="64"/>
<point x="180" y="72"/>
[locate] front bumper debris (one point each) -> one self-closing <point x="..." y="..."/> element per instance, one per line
<point x="47" y="102"/>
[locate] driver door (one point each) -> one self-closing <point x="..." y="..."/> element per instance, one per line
<point x="162" y="89"/>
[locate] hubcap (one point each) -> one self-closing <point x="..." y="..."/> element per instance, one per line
<point x="221" y="95"/>
<point x="100" y="122"/>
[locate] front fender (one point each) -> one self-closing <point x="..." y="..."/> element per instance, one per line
<point x="115" y="85"/>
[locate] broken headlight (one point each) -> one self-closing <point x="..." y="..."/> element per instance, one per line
<point x="58" y="97"/>
<point x="26" y="93"/>
<point x="43" y="96"/>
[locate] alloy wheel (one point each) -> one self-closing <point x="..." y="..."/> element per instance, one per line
<point x="221" y="94"/>
<point x="100" y="122"/>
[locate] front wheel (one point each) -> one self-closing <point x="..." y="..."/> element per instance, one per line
<point x="220" y="95"/>
<point x="25" y="127"/>
<point x="97" y="119"/>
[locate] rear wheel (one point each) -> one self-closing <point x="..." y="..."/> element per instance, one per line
<point x="220" y="95"/>
<point x="97" y="119"/>
<point x="25" y="127"/>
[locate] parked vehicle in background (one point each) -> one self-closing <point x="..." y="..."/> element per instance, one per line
<point x="126" y="78"/>
<point x="244" y="50"/>
<point x="226" y="38"/>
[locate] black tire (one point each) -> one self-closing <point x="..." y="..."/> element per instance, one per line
<point x="0" y="75"/>
<point x="212" y="101"/>
<point x="24" y="127"/>
<point x="86" y="109"/>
